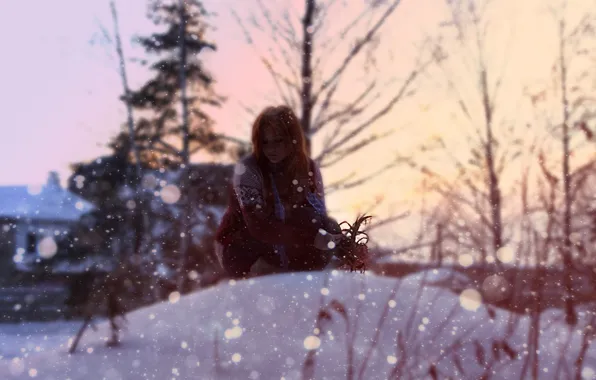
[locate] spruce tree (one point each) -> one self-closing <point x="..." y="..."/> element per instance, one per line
<point x="176" y="97"/>
<point x="177" y="125"/>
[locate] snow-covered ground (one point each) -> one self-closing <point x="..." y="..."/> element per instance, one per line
<point x="18" y="340"/>
<point x="263" y="328"/>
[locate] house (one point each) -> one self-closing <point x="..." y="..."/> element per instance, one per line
<point x="31" y="218"/>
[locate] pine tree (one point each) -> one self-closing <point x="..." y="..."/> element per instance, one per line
<point x="175" y="98"/>
<point x="178" y="125"/>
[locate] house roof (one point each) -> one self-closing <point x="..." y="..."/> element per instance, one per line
<point x="48" y="202"/>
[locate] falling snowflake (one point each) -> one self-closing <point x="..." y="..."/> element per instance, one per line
<point x="170" y="194"/>
<point x="506" y="254"/>
<point x="312" y="342"/>
<point x="470" y="299"/>
<point x="233" y="333"/>
<point x="239" y="169"/>
<point x="47" y="247"/>
<point x="465" y="260"/>
<point x="174" y="297"/>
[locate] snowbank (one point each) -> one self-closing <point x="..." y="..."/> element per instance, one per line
<point x="263" y="329"/>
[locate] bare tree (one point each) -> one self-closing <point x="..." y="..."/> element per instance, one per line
<point x="568" y="95"/>
<point x="139" y="218"/>
<point x="566" y="251"/>
<point x="178" y="125"/>
<point x="541" y="241"/>
<point x="564" y="41"/>
<point x="127" y="143"/>
<point x="298" y="64"/>
<point x="126" y="89"/>
<point x="477" y="188"/>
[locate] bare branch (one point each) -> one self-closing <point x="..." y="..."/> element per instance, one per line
<point x="405" y="249"/>
<point x="342" y="154"/>
<point x="247" y="35"/>
<point x="292" y="84"/>
<point x="388" y="220"/>
<point x="357" y="48"/>
<point x="316" y="90"/>
<point x="348" y="111"/>
<point x="249" y="110"/>
<point x="329" y="187"/>
<point x="279" y="79"/>
<point x="231" y="139"/>
<point x="344" y="185"/>
<point x="333" y="42"/>
<point x="359" y="129"/>
<point x="453" y="196"/>
<point x="291" y="32"/>
<point x="499" y="80"/>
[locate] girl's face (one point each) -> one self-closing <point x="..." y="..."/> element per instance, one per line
<point x="276" y="146"/>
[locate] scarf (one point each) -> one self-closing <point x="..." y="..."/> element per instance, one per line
<point x="280" y="214"/>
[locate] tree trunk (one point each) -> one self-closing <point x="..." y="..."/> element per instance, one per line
<point x="140" y="220"/>
<point x="307" y="100"/>
<point x="570" y="315"/>
<point x="494" y="193"/>
<point x="184" y="200"/>
<point x="438" y="246"/>
<point x="129" y="111"/>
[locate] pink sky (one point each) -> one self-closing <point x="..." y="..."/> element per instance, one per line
<point x="61" y="93"/>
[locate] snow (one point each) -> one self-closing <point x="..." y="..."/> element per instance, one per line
<point x="263" y="328"/>
<point x="52" y="203"/>
<point x="33" y="337"/>
<point x="207" y="205"/>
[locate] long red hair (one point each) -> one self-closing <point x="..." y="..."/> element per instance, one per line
<point x="283" y="119"/>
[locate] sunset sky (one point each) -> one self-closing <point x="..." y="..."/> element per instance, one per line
<point x="60" y="92"/>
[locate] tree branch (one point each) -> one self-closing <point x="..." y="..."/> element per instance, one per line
<point x="344" y="185"/>
<point x="357" y="48"/>
<point x="359" y="129"/>
<point x="232" y="139"/>
<point x="342" y="154"/>
<point x="349" y="110"/>
<point x="388" y="220"/>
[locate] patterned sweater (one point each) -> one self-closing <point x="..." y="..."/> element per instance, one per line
<point x="248" y="216"/>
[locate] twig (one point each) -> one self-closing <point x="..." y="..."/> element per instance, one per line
<point x="375" y="339"/>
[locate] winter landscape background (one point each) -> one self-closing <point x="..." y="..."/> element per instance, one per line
<point x="465" y="127"/>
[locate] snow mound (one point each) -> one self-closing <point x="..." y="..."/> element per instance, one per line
<point x="264" y="328"/>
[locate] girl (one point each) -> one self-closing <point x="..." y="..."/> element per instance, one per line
<point x="277" y="207"/>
